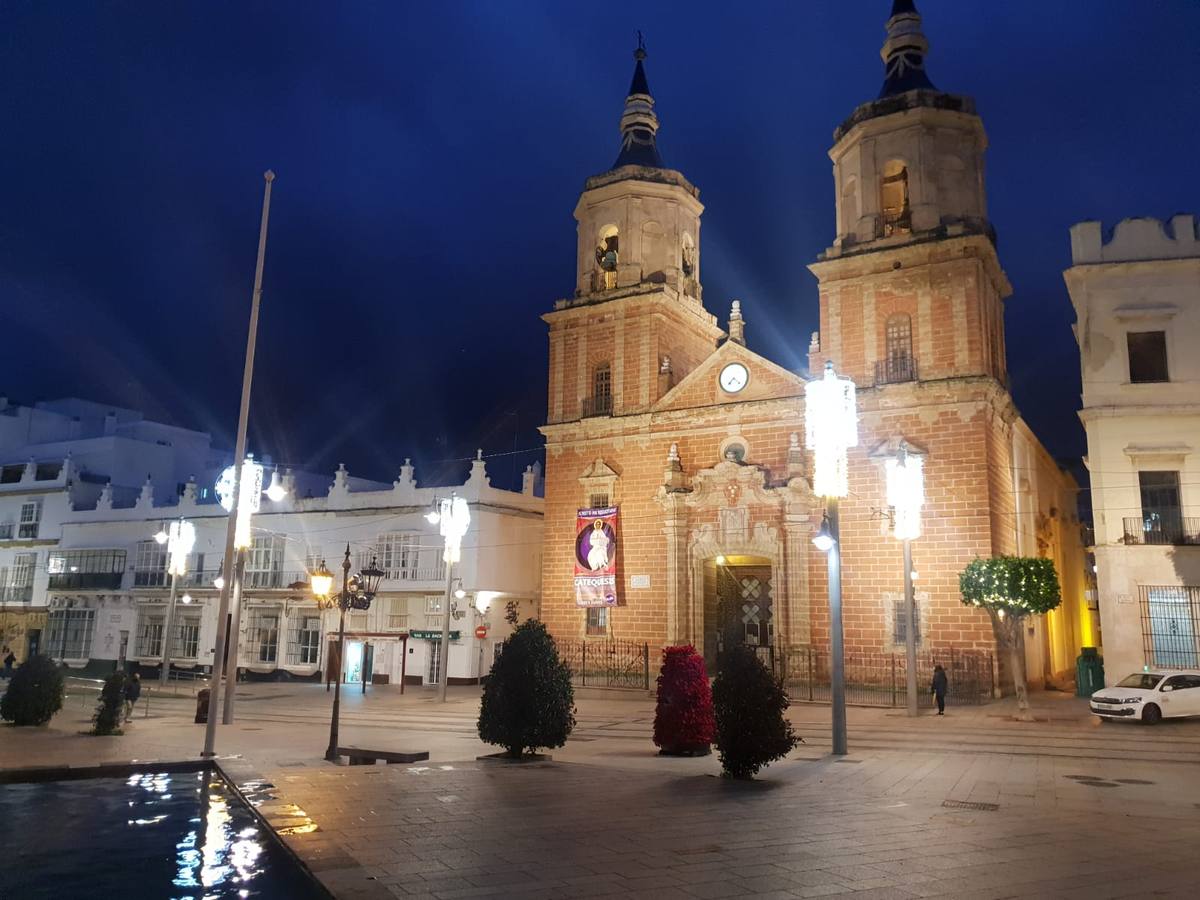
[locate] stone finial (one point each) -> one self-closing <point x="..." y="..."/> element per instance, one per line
<point x="29" y="473"/>
<point x="814" y="342"/>
<point x="737" y="325"/>
<point x="341" y="483"/>
<point x="673" y="477"/>
<point x="189" y="491"/>
<point x="664" y="365"/>
<point x="105" y="499"/>
<point x="289" y="483"/>
<point x="531" y="480"/>
<point x="67" y="473"/>
<point x="479" y="476"/>
<point x="145" y="499"/>
<point x="795" y="456"/>
<point x="407" y="479"/>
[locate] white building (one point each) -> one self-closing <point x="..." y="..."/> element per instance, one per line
<point x="1136" y="295"/>
<point x="59" y="455"/>
<point x="107" y="585"/>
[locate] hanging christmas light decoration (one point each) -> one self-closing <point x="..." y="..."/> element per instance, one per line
<point x="830" y="430"/>
<point x="906" y="494"/>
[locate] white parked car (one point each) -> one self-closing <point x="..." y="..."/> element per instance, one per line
<point x="1149" y="697"/>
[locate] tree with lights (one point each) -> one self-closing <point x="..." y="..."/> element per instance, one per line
<point x="1011" y="588"/>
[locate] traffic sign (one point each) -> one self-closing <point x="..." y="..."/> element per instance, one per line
<point x="481" y="632"/>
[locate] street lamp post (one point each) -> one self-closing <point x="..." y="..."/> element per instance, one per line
<point x="453" y="516"/>
<point x="831" y="428"/>
<point x="906" y="496"/>
<point x="357" y="593"/>
<point x="180" y="538"/>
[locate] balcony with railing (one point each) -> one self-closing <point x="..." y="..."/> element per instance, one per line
<point x="435" y="573"/>
<point x="81" y="581"/>
<point x="1174" y="532"/>
<point x="590" y="407"/>
<point x="895" y="370"/>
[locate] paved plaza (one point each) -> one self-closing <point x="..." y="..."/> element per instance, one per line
<point x="972" y="805"/>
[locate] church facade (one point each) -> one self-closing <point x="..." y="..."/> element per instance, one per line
<point x="696" y="442"/>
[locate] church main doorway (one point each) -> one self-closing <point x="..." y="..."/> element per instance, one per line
<point x="738" y="606"/>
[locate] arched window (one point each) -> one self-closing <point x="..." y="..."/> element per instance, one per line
<point x="898" y="362"/>
<point x="606" y="256"/>
<point x="893" y="199"/>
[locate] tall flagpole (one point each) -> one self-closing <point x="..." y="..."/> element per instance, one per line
<point x="239" y="453"/>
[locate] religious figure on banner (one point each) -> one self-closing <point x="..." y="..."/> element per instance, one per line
<point x="596" y="557"/>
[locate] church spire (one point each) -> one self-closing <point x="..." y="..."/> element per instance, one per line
<point x="904" y="51"/>
<point x="639" y="124"/>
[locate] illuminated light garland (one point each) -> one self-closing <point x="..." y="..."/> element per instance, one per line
<point x="181" y="538"/>
<point x="906" y="494"/>
<point x="453" y="515"/>
<point x="830" y="429"/>
<point x="249" y="499"/>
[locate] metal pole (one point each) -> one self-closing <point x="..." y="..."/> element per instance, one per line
<point x="910" y="631"/>
<point x="837" y="673"/>
<point x="444" y="675"/>
<point x="239" y="452"/>
<point x="235" y="637"/>
<point x="164" y="677"/>
<point x="331" y="753"/>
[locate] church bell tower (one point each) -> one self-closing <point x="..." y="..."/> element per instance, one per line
<point x="635" y="324"/>
<point x="911" y="288"/>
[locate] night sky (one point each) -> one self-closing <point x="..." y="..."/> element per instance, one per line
<point x="429" y="157"/>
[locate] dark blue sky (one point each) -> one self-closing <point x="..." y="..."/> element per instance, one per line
<point x="429" y="157"/>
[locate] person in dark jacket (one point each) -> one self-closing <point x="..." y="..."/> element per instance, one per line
<point x="9" y="659"/>
<point x="939" y="688"/>
<point x="133" y="690"/>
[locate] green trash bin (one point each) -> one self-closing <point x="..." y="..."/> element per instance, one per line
<point x="1089" y="672"/>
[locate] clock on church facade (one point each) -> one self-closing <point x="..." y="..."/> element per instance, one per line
<point x="657" y="411"/>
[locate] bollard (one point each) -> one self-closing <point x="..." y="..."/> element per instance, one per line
<point x="202" y="706"/>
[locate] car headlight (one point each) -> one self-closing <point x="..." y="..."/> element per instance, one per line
<point x="1133" y="700"/>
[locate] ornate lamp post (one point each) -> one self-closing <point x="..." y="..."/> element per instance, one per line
<point x="357" y="593"/>
<point x="906" y="496"/>
<point x="830" y="429"/>
<point x="180" y="538"/>
<point x="453" y="515"/>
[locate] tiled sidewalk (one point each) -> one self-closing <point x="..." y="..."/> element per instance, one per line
<point x="819" y="828"/>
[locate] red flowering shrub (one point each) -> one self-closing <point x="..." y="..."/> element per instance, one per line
<point x="683" y="718"/>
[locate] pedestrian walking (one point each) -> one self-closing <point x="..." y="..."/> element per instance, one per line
<point x="938" y="688"/>
<point x="133" y="690"/>
<point x="9" y="659"/>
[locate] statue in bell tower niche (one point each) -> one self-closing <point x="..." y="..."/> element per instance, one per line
<point x="606" y="259"/>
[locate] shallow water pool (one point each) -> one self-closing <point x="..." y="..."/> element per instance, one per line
<point x="170" y="835"/>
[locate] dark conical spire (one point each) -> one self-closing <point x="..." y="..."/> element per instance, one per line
<point x="639" y="124"/>
<point x="904" y="51"/>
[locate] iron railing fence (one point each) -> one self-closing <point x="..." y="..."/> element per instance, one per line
<point x="1175" y="531"/>
<point x="606" y="663"/>
<point x="895" y="370"/>
<point x="879" y="678"/>
<point x="590" y="407"/>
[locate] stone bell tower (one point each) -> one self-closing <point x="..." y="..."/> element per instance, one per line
<point x="635" y="325"/>
<point x="911" y="289"/>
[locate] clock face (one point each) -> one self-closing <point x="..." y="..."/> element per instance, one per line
<point x="733" y="378"/>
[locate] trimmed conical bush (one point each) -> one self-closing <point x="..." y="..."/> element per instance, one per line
<point x="749" y="701"/>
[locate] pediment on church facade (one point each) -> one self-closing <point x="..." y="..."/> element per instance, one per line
<point x="701" y="387"/>
<point x="599" y="469"/>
